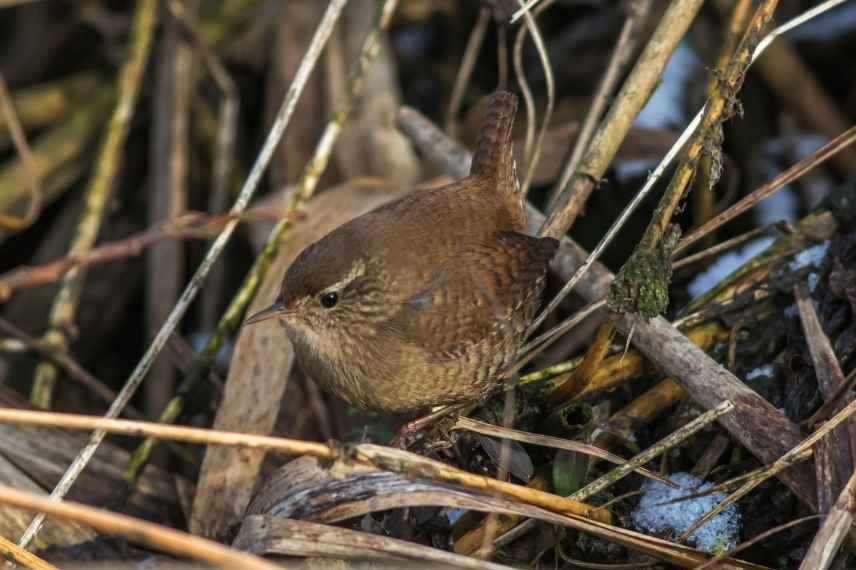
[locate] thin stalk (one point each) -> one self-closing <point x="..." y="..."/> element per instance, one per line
<point x="624" y="48"/>
<point x="64" y="308"/>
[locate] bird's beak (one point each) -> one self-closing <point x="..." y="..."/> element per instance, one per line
<point x="265" y="314"/>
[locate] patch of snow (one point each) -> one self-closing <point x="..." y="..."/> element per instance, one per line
<point x="767" y="371"/>
<point x="652" y="515"/>
<point x="725" y="265"/>
<point x="664" y="108"/>
<point x="813" y="280"/>
<point x="198" y="340"/>
<point x="810" y="257"/>
<point x="453" y="515"/>
<point x="780" y="206"/>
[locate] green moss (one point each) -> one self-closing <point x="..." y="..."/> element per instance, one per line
<point x="642" y="284"/>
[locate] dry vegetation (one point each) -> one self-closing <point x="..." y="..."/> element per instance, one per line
<point x="162" y="162"/>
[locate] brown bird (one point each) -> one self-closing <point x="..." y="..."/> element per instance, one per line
<point x="425" y="300"/>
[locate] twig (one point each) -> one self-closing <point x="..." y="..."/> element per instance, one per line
<point x="483" y="428"/>
<point x="305" y="188"/>
<point x="64" y="307"/>
<point x="625" y="47"/>
<point x="63" y="359"/>
<point x="19" y="138"/>
<point x="465" y="70"/>
<point x="807" y="164"/>
<point x="535" y="155"/>
<point x="721" y="247"/>
<point x="175" y="80"/>
<point x="822" y="551"/>
<point x="658" y="448"/>
<point x="374" y="455"/>
<point x="833" y="461"/>
<point x="641" y="285"/>
<point x="283" y="117"/>
<point x="709" y="168"/>
<point x="57" y="152"/>
<point x="524" y="9"/>
<point x="713" y="562"/>
<point x="191" y="225"/>
<point x="17" y="555"/>
<point x="538" y="345"/>
<point x="140" y="531"/>
<point x="224" y="145"/>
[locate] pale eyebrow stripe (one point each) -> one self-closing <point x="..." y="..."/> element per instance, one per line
<point x="358" y="270"/>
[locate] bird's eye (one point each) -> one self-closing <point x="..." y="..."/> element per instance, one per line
<point x="329" y="300"/>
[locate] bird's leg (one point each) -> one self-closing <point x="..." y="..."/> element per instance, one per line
<point x="409" y="430"/>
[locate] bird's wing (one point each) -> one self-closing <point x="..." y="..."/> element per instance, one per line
<point x="475" y="295"/>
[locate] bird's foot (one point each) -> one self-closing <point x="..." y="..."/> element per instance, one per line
<point x="409" y="433"/>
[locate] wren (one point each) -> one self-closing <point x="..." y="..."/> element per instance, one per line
<point x="425" y="300"/>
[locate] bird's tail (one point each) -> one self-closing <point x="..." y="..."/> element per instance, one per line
<point x="494" y="155"/>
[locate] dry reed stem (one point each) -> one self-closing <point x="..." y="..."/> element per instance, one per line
<point x="641" y="285"/>
<point x="582" y="375"/>
<point x="224" y="146"/>
<point x="770" y="187"/>
<point x="19" y="139"/>
<point x="625" y="47"/>
<point x="833" y="460"/>
<point x="174" y="82"/>
<point x="794" y="83"/>
<point x="483" y="428"/>
<point x="533" y="348"/>
<point x="533" y="153"/>
<point x="465" y="70"/>
<point x="834" y="529"/>
<point x="658" y="448"/>
<point x="137" y="530"/>
<point x="283" y="117"/>
<point x="816" y="227"/>
<point x="721" y="247"/>
<point x="23" y="558"/>
<point x="713" y="562"/>
<point x="630" y="99"/>
<point x="68" y="363"/>
<point x="828" y="408"/>
<point x="61" y="319"/>
<point x="706" y="178"/>
<point x="399" y="461"/>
